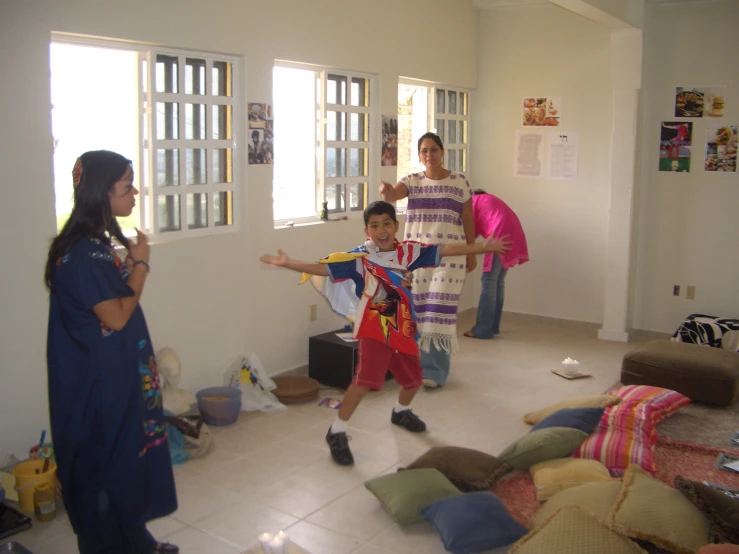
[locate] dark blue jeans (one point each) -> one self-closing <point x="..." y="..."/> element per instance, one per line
<point x="490" y="308"/>
<point x="114" y="537"/>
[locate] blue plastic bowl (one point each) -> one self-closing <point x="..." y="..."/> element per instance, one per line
<point x="219" y="405"/>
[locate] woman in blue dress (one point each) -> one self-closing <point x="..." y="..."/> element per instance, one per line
<point x="104" y="393"/>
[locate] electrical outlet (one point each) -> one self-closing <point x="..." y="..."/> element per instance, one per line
<point x="690" y="292"/>
<point x="313" y="312"/>
<point x="675" y="290"/>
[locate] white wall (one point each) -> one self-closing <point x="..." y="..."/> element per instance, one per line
<point x="688" y="223"/>
<point x="207" y="298"/>
<point x="547" y="50"/>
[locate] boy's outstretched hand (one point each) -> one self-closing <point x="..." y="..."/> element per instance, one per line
<point x="498" y="245"/>
<point x="281" y="259"/>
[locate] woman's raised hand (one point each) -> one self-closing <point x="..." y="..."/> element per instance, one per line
<point x="387" y="192"/>
<point x="139" y="250"/>
<point x="498" y="245"/>
<point x="280" y="260"/>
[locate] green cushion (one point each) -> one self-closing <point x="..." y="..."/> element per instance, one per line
<point x="406" y="493"/>
<point x="542" y="445"/>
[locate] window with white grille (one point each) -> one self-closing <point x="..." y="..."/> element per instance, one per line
<point x="172" y="112"/>
<point x="323" y="144"/>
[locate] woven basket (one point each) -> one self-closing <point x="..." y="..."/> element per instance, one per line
<point x="293" y="389"/>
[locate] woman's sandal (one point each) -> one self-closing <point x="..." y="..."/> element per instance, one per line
<point x="166" y="548"/>
<point x="469" y="335"/>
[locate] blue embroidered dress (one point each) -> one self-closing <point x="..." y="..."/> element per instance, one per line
<point x="104" y="397"/>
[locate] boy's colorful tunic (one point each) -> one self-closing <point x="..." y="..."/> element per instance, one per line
<point x="365" y="286"/>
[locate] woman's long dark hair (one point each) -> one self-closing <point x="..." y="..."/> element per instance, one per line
<point x="90" y="216"/>
<point x="433" y="136"/>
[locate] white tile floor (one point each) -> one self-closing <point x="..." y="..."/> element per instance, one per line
<point x="273" y="471"/>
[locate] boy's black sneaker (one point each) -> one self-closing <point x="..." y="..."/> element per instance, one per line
<point x="409" y="420"/>
<point x="339" y="445"/>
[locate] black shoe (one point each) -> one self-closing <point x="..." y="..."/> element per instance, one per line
<point x="409" y="420"/>
<point x="163" y="547"/>
<point x="339" y="445"/>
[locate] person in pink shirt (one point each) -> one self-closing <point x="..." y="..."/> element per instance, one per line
<point x="494" y="217"/>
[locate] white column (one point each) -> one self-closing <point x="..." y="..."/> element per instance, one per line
<point x="626" y="69"/>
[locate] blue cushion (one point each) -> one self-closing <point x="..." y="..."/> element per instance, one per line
<point x="473" y="522"/>
<point x="584" y="419"/>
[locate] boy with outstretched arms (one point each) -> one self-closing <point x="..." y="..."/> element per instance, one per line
<point x="367" y="285"/>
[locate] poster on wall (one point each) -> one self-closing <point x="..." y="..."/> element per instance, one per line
<point x="259" y="113"/>
<point x="528" y="154"/>
<point x="700" y="101"/>
<point x="260" y="134"/>
<point x="541" y="111"/>
<point x="563" y="150"/>
<point x="675" y="141"/>
<point x="721" y="143"/>
<point x="389" y="140"/>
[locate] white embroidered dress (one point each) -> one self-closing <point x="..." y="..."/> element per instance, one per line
<point x="434" y="216"/>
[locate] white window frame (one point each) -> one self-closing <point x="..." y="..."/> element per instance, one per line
<point x="148" y="143"/>
<point x="322" y="107"/>
<point x="458" y="117"/>
<point x="433" y="117"/>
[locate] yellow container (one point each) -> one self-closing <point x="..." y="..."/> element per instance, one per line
<point x="26" y="480"/>
<point x="44" y="502"/>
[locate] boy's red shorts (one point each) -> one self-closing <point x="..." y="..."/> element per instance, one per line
<point x="376" y="358"/>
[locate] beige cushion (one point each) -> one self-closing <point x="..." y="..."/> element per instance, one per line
<point x="571" y="530"/>
<point x="595" y="401"/>
<point x="650" y="510"/>
<point x="595" y="498"/>
<point x="557" y="475"/>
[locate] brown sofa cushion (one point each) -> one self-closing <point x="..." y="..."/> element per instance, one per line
<point x="470" y="470"/>
<point x="704" y="374"/>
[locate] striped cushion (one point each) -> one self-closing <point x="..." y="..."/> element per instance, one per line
<point x="627" y="432"/>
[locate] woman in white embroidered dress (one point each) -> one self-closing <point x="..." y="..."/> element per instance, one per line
<point x="439" y="212"/>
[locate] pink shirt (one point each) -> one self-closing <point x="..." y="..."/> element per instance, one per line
<point x="493" y="216"/>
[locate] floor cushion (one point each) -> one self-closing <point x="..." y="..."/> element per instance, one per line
<point x="593" y="401"/>
<point x="595" y="498"/>
<point x="405" y="494"/>
<point x="706" y="329"/>
<point x="572" y="530"/>
<point x="703" y="374"/>
<point x="627" y="432"/>
<point x="554" y="476"/>
<point x="719" y="508"/>
<point x="473" y="522"/>
<point x="542" y="445"/>
<point x="650" y="510"/>
<point x="469" y="469"/>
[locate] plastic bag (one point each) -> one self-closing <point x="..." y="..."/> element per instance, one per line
<point x="247" y="374"/>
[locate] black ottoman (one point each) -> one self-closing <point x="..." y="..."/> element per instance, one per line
<point x="703" y="374"/>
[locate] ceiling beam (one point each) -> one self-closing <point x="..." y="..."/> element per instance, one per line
<point x="489" y="4"/>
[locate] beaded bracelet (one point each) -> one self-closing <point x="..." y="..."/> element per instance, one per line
<point x="142" y="262"/>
